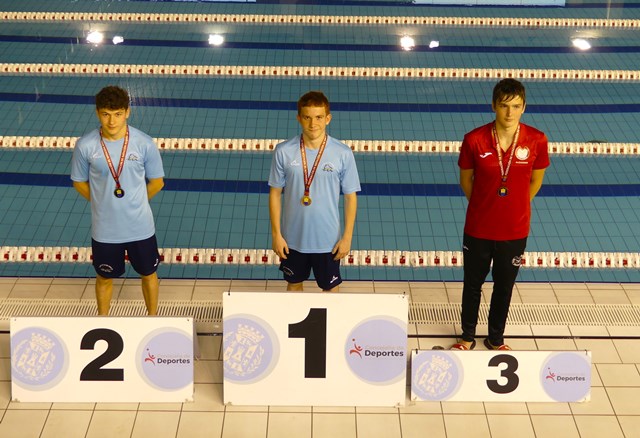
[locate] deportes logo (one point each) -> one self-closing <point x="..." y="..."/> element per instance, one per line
<point x="356" y="349"/>
<point x="376" y="350"/>
<point x="39" y="359"/>
<point x="566" y="377"/>
<point x="250" y="349"/>
<point x="165" y="359"/>
<point x="436" y="375"/>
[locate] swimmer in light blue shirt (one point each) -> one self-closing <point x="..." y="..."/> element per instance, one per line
<point x="308" y="173"/>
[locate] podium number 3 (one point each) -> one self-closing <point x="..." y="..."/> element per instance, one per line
<point x="509" y="373"/>
<point x="94" y="371"/>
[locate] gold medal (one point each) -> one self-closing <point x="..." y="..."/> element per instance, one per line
<point x="308" y="177"/>
<point x="502" y="191"/>
<point x="118" y="193"/>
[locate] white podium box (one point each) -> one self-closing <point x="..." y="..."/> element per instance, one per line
<point x="102" y="359"/>
<point x="314" y="349"/>
<point x="507" y="376"/>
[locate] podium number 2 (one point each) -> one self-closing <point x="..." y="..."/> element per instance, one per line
<point x="313" y="329"/>
<point x="94" y="371"/>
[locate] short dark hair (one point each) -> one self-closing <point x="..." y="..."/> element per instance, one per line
<point x="507" y="89"/>
<point x="113" y="98"/>
<point x="314" y="98"/>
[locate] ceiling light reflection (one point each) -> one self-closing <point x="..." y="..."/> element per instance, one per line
<point x="581" y="44"/>
<point x="95" y="37"/>
<point x="407" y="43"/>
<point x="216" y="40"/>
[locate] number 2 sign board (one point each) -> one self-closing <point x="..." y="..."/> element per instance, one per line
<point x="314" y="349"/>
<point x="509" y="376"/>
<point x="100" y="359"/>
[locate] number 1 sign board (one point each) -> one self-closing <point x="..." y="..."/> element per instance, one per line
<point x="101" y="359"/>
<point x="314" y="349"/>
<point x="509" y="376"/>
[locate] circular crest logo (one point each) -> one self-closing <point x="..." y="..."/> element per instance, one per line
<point x="250" y="349"/>
<point x="522" y="153"/>
<point x="39" y="359"/>
<point x="566" y="376"/>
<point x="436" y="375"/>
<point x="165" y="359"/>
<point x="375" y="350"/>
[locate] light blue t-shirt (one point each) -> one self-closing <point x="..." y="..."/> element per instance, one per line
<point x="126" y="219"/>
<point x="316" y="228"/>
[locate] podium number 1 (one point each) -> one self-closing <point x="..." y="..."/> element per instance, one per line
<point x="313" y="329"/>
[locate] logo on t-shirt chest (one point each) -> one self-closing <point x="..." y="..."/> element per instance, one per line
<point x="522" y="154"/>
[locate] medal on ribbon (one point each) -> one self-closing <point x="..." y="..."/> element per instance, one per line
<point x="504" y="173"/>
<point x="118" y="192"/>
<point x="308" y="177"/>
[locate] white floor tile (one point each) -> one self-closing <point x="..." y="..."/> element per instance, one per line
<point x="506" y="408"/>
<point x="556" y="344"/>
<point x="467" y="426"/>
<point x="176" y="407"/>
<point x="549" y="409"/>
<point x="23" y="424"/>
<point x="602" y="350"/>
<point x="462" y="408"/>
<point x="628" y="349"/>
<point x="111" y="424"/>
<point x="509" y="426"/>
<point x="289" y="424"/>
<point x="420" y="426"/>
<point x="630" y="425"/>
<point x="334" y="425"/>
<point x="5" y="395"/>
<point x="378" y="425"/>
<point x="155" y="424"/>
<point x="625" y="400"/>
<point x="200" y="424"/>
<point x="68" y="424"/>
<point x="65" y="291"/>
<point x="29" y="290"/>
<point x="599" y="404"/>
<point x="618" y="375"/>
<point x="116" y="406"/>
<point x="554" y="426"/>
<point x="73" y="406"/>
<point x="551" y="330"/>
<point x="244" y="425"/>
<point x="599" y="426"/>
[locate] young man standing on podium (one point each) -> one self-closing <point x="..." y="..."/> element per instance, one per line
<point x="307" y="174"/>
<point x="118" y="169"/>
<point x="502" y="166"/>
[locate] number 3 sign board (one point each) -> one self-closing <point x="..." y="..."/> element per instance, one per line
<point x="314" y="349"/>
<point x="99" y="359"/>
<point x="513" y="376"/>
